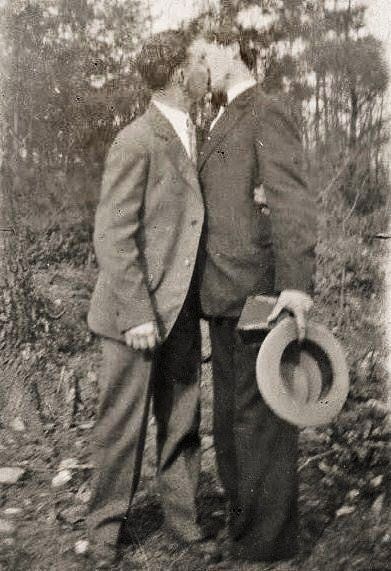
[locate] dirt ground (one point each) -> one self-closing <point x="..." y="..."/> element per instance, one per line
<point x="342" y="528"/>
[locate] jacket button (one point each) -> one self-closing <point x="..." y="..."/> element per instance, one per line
<point x="194" y="222"/>
<point x="187" y="263"/>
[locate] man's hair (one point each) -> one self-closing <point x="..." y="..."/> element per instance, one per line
<point x="248" y="52"/>
<point x="161" y="55"/>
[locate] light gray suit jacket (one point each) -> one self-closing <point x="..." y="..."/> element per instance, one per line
<point x="147" y="229"/>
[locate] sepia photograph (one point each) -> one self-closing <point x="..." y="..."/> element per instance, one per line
<point x="195" y="285"/>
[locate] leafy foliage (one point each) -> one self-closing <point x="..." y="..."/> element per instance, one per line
<point x="70" y="85"/>
<point x="360" y="448"/>
<point x="57" y="246"/>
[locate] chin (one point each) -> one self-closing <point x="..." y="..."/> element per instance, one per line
<point x="197" y="94"/>
<point x="217" y="87"/>
<point x="219" y="97"/>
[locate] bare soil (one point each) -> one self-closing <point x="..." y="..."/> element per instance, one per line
<point x="51" y="520"/>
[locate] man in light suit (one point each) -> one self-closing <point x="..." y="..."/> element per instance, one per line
<point x="147" y="231"/>
<point x="259" y="238"/>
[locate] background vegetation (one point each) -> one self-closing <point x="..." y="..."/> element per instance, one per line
<point x="69" y="84"/>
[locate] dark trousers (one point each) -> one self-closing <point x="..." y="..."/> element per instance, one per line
<point x="128" y="381"/>
<point x="256" y="451"/>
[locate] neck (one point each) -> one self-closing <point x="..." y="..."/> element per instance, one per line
<point x="174" y="97"/>
<point x="234" y="79"/>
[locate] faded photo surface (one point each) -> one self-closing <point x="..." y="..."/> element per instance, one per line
<point x="195" y="289"/>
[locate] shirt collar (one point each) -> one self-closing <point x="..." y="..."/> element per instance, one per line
<point x="174" y="115"/>
<point x="237" y="89"/>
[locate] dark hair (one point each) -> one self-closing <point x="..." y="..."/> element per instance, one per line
<point x="248" y="52"/>
<point x="161" y="55"/>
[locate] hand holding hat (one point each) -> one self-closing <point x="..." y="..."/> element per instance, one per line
<point x="306" y="383"/>
<point x="298" y="304"/>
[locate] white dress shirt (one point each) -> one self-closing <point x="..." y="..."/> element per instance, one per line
<point x="232" y="93"/>
<point x="179" y="121"/>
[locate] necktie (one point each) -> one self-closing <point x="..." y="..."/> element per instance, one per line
<point x="192" y="137"/>
<point x="219" y="114"/>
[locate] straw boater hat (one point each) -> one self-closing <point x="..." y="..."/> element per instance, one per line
<point x="304" y="383"/>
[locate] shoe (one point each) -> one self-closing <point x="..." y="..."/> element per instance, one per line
<point x="241" y="553"/>
<point x="207" y="552"/>
<point x="197" y="545"/>
<point x="224" y="542"/>
<point x="108" y="557"/>
<point x="211" y="529"/>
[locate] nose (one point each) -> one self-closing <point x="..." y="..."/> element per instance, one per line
<point x="204" y="75"/>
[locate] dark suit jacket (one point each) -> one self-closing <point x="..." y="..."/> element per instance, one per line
<point x="147" y="229"/>
<point x="244" y="251"/>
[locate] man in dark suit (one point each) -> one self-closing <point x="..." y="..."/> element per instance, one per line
<point x="258" y="238"/>
<point x="147" y="231"/>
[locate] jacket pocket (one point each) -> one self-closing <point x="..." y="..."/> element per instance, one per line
<point x="154" y="280"/>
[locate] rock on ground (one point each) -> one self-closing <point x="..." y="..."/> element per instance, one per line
<point x="11" y="475"/>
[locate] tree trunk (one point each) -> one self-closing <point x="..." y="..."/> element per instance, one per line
<point x="325" y="107"/>
<point x="16" y="299"/>
<point x="317" y="114"/>
<point x="378" y="141"/>
<point x="353" y="117"/>
<point x="228" y="8"/>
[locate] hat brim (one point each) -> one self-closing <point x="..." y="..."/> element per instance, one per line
<point x="274" y="390"/>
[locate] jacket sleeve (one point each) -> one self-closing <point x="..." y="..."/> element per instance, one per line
<point x="291" y="202"/>
<point x="117" y="223"/>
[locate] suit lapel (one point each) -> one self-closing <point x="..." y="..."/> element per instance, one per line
<point x="174" y="147"/>
<point x="232" y="114"/>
